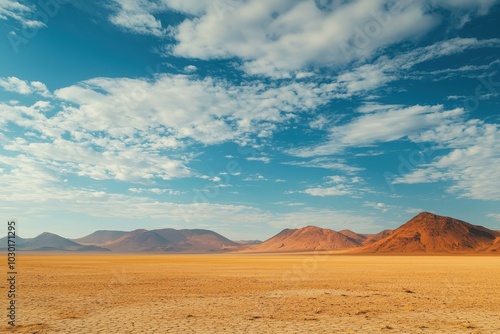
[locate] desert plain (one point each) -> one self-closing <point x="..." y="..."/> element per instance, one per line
<point x="256" y="293"/>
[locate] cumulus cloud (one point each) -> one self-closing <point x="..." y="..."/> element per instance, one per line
<point x="137" y="17"/>
<point x="221" y="111"/>
<point x="119" y="128"/>
<point x="14" y="84"/>
<point x="338" y="190"/>
<point x="303" y="33"/>
<point x="378" y="205"/>
<point x="338" y="185"/>
<point x="470" y="165"/>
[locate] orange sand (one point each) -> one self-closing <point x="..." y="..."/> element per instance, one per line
<point x="247" y="293"/>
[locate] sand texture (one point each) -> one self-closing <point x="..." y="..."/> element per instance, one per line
<point x="248" y="293"/>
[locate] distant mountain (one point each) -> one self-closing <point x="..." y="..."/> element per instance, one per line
<point x="100" y="237"/>
<point x="172" y="235"/>
<point x="372" y="238"/>
<point x="430" y="233"/>
<point x="306" y="239"/>
<point x="138" y="241"/>
<point x="19" y="242"/>
<point x="426" y="233"/>
<point x="360" y="238"/>
<point x="209" y="240"/>
<point x="50" y="242"/>
<point x="172" y="241"/>
<point x="248" y="242"/>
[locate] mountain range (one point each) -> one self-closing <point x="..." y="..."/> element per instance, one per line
<point x="426" y="233"/>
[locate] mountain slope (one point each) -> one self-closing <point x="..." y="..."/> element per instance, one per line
<point x="48" y="240"/>
<point x="171" y="235"/>
<point x="430" y="233"/>
<point x="209" y="240"/>
<point x="360" y="238"/>
<point x="305" y="239"/>
<point x="172" y="241"/>
<point x="138" y="241"/>
<point x="495" y="247"/>
<point x="100" y="237"/>
<point x="51" y="242"/>
<point x="372" y="238"/>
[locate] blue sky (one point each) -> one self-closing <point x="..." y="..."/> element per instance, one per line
<point x="247" y="117"/>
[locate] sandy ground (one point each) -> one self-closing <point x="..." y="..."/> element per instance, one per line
<point x="248" y="293"/>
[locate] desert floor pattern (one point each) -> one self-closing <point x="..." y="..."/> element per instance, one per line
<point x="248" y="293"/>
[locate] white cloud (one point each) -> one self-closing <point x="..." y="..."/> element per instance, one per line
<point x="136" y="16"/>
<point x="255" y="177"/>
<point x="190" y="68"/>
<point x="13" y="84"/>
<point x="333" y="219"/>
<point x="86" y="153"/>
<point x="319" y="123"/>
<point x="265" y="160"/>
<point x="286" y="203"/>
<point x="308" y="34"/>
<point x="305" y="34"/>
<point x="494" y="216"/>
<point x="211" y="178"/>
<point x="157" y="191"/>
<point x="325" y="163"/>
<point x="383" y="70"/>
<point x="189" y="7"/>
<point x="21" y="12"/>
<point x="129" y="164"/>
<point x="469" y="71"/>
<point x="221" y="112"/>
<point x="378" y="205"/>
<point x="369" y="107"/>
<point x="338" y="185"/>
<point x="381" y="126"/>
<point x="455" y="97"/>
<point x="414" y="210"/>
<point x="470" y="165"/>
<point x="338" y="190"/>
<point x="36" y="191"/>
<point x="263" y="34"/>
<point x="463" y="10"/>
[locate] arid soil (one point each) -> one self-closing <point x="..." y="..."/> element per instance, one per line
<point x="248" y="293"/>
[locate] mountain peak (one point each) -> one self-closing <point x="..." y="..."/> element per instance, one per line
<point x="431" y="233"/>
<point x="306" y="238"/>
<point x="425" y="214"/>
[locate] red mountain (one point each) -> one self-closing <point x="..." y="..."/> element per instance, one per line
<point x="430" y="233"/>
<point x="373" y="238"/>
<point x="305" y="239"/>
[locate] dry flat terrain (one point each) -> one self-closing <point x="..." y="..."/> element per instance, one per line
<point x="247" y="293"/>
